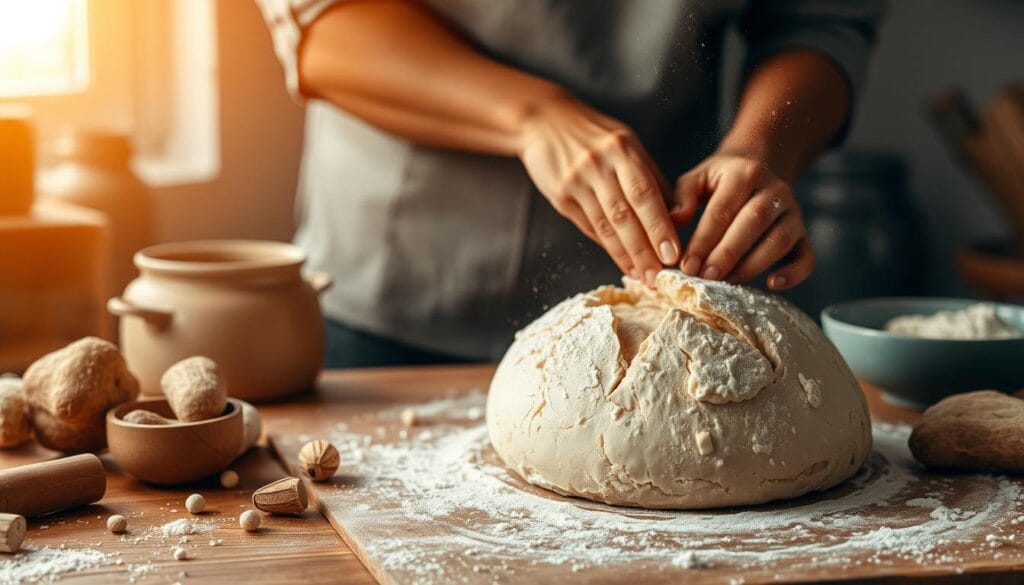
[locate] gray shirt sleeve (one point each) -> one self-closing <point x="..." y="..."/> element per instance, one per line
<point x="842" y="31"/>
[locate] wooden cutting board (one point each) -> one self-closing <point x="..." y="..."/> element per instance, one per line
<point x="433" y="504"/>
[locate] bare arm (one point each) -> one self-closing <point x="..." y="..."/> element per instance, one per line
<point x="791" y="107"/>
<point x="401" y="68"/>
<point x="398" y="66"/>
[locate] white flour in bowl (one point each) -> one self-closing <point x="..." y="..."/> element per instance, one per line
<point x="977" y="321"/>
<point x="476" y="519"/>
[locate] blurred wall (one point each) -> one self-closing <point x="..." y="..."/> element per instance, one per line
<point x="925" y="47"/>
<point x="261" y="141"/>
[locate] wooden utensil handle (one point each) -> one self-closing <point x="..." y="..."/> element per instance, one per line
<point x="41" y="488"/>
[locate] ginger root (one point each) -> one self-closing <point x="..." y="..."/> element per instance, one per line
<point x="195" y="389"/>
<point x="70" y="390"/>
<point x="15" y="426"/>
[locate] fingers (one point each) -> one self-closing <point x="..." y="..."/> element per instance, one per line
<point x="796" y="270"/>
<point x="733" y="189"/>
<point x="690" y="189"/>
<point x="604" y="233"/>
<point x="643" y="193"/>
<point x="619" y="213"/>
<point x="777" y="242"/>
<point x="752" y="221"/>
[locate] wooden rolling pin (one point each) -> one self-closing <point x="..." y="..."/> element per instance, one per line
<point x="41" y="488"/>
<point x="12" y="532"/>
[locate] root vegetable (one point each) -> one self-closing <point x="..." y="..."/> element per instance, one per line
<point x="195" y="389"/>
<point x="15" y="425"/>
<point x="70" y="390"/>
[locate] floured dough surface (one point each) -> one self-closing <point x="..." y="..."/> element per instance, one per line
<point x="696" y="394"/>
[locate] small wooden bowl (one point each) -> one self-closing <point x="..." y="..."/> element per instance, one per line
<point x="178" y="453"/>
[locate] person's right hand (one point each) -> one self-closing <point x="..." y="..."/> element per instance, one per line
<point x="595" y="172"/>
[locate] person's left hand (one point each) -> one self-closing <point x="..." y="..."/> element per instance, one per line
<point x="752" y="222"/>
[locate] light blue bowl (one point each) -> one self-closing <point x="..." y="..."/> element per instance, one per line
<point x="917" y="372"/>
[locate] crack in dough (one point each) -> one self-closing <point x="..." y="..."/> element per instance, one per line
<point x="722" y="367"/>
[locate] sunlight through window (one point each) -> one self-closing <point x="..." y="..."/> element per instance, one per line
<point x="44" y="47"/>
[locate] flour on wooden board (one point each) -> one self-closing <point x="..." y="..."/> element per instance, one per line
<point x="448" y="474"/>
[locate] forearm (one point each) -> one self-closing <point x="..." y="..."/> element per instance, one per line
<point x="790" y="109"/>
<point x="399" y="67"/>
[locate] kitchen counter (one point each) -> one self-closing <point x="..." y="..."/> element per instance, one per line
<point x="304" y="549"/>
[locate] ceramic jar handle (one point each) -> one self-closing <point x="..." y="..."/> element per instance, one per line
<point x="122" y="308"/>
<point x="320" y="281"/>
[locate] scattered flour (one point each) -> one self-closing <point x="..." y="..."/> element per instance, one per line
<point x="931" y="503"/>
<point x="183" y="527"/>
<point x="977" y="321"/>
<point x="48" y="564"/>
<point x="178" y="530"/>
<point x="453" y="483"/>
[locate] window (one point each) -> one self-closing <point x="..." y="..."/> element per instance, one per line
<point x="44" y="47"/>
<point x="143" y="68"/>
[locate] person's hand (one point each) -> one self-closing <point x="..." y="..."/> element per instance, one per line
<point x="595" y="172"/>
<point x="751" y="223"/>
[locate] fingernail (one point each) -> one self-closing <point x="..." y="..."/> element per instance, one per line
<point x="691" y="266"/>
<point x="777" y="282"/>
<point x="669" y="252"/>
<point x="651" y="276"/>
<point x="711" y="273"/>
<point x="634" y="274"/>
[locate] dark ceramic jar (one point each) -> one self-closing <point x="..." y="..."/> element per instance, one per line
<point x="867" y="236"/>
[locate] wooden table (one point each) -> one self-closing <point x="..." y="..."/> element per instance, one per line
<point x="302" y="549"/>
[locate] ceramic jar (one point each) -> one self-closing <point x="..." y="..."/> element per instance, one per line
<point x="93" y="169"/>
<point x="866" y="232"/>
<point x="245" y="304"/>
<point x="17" y="160"/>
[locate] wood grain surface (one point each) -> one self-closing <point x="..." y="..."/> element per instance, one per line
<point x="285" y="550"/>
<point x="400" y="545"/>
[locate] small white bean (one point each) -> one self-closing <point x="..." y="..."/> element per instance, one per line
<point x="195" y="504"/>
<point x="409" y="417"/>
<point x="117" y="524"/>
<point x="250" y="520"/>
<point x="229" y="479"/>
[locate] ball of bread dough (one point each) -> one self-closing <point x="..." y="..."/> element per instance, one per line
<point x="696" y="394"/>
